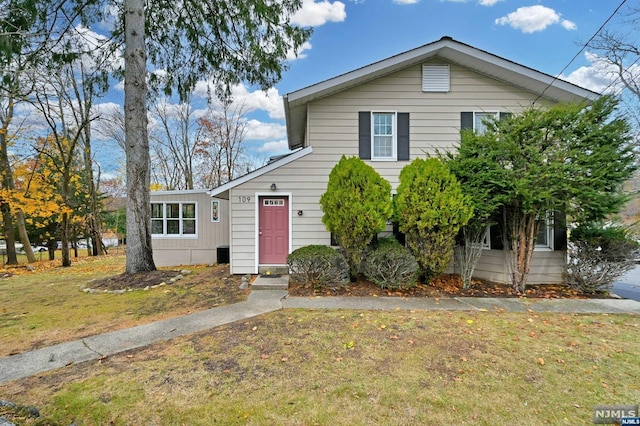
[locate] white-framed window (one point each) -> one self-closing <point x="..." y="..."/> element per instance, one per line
<point x="215" y="211"/>
<point x="173" y="219"/>
<point x="486" y="240"/>
<point x="479" y="119"/>
<point x="544" y="238"/>
<point x="383" y="136"/>
<point x="485" y="243"/>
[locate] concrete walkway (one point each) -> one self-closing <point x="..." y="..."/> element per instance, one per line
<point x="584" y="306"/>
<point x="269" y="300"/>
<point x="95" y="347"/>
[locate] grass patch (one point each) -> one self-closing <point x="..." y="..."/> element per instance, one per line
<point x="297" y="367"/>
<point x="46" y="306"/>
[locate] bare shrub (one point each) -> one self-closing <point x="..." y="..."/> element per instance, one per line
<point x="598" y="256"/>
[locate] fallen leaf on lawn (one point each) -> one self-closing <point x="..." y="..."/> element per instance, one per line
<point x="469" y="321"/>
<point x="532" y="334"/>
<point x="338" y="359"/>
<point x="394" y="337"/>
<point x="264" y="356"/>
<point x="254" y="328"/>
<point x="540" y="361"/>
<point x="284" y="359"/>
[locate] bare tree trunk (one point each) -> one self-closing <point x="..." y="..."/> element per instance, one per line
<point x="7" y="220"/>
<point x="84" y="102"/>
<point x="64" y="238"/>
<point x="6" y="181"/>
<point x="520" y="244"/>
<point x="467" y="255"/>
<point x="139" y="250"/>
<point x="24" y="237"/>
<point x="93" y="221"/>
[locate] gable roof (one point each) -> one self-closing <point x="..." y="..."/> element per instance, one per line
<point x="280" y="161"/>
<point x="448" y="49"/>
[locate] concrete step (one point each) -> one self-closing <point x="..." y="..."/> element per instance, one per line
<point x="270" y="282"/>
<point x="273" y="270"/>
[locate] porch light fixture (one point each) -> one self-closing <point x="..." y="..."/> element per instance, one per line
<point x="299" y="212"/>
<point x="273" y="187"/>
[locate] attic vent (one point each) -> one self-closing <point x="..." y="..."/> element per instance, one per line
<point x="435" y="78"/>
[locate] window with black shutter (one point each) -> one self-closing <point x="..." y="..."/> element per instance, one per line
<point x="383" y="136"/>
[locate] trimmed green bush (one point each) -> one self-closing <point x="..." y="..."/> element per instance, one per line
<point x="356" y="206"/>
<point x="430" y="209"/>
<point x="320" y="266"/>
<point x="391" y="265"/>
<point x="599" y="255"/>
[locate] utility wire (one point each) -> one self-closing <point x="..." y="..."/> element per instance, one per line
<point x="584" y="46"/>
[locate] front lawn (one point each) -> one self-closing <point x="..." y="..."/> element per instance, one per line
<point x="349" y="367"/>
<point x="46" y="306"/>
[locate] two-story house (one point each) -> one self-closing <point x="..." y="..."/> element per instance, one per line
<point x="387" y="113"/>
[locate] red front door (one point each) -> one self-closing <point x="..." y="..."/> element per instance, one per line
<point x="273" y="230"/>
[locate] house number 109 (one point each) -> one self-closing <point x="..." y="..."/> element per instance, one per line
<point x="244" y="199"/>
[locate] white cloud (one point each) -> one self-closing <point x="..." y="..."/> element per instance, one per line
<point x="530" y="19"/>
<point x="488" y="2"/>
<point x="293" y="55"/>
<point x="313" y="14"/>
<point x="258" y="130"/>
<point x="269" y="100"/>
<point x="406" y="1"/>
<point x="568" y="25"/>
<point x="258" y="100"/>
<point x="600" y="75"/>
<point x="90" y="44"/>
<point x="274" y="147"/>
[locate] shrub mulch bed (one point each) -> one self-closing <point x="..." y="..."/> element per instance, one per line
<point x="448" y="285"/>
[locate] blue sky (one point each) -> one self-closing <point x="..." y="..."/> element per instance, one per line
<point x="349" y="34"/>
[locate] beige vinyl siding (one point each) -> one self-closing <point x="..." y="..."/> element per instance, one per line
<point x="305" y="180"/>
<point x="172" y="251"/>
<point x="332" y="131"/>
<point x="434" y="117"/>
<point x="547" y="267"/>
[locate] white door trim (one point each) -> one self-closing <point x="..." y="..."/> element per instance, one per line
<point x="289" y="195"/>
